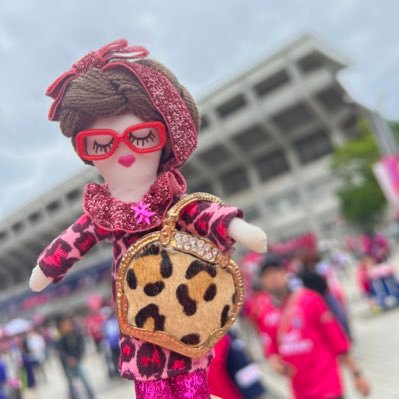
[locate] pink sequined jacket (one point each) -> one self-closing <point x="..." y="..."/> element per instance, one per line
<point x="139" y="360"/>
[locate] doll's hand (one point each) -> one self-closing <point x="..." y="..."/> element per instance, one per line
<point x="38" y="280"/>
<point x="247" y="234"/>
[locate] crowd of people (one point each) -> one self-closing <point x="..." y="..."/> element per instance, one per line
<point x="24" y="355"/>
<point x="22" y="359"/>
<point x="296" y="303"/>
<point x="376" y="274"/>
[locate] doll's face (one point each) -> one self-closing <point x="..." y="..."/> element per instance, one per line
<point x="125" y="164"/>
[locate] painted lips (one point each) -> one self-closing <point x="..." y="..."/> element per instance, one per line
<point x="126" y="160"/>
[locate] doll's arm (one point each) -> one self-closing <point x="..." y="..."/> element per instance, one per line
<point x="38" y="280"/>
<point x="247" y="234"/>
<point x="69" y="247"/>
<point x="211" y="220"/>
<point x="222" y="224"/>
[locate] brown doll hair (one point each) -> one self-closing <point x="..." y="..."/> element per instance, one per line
<point x="97" y="94"/>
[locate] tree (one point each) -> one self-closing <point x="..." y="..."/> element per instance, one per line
<point x="395" y="129"/>
<point x="361" y="199"/>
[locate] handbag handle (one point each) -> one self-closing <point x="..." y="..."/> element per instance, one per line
<point x="169" y="223"/>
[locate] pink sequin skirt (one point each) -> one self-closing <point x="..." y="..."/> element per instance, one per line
<point x="186" y="386"/>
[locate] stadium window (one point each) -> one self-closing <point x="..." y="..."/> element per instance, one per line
<point x="293" y="117"/>
<point x="18" y="226"/>
<point x="331" y="98"/>
<point x="215" y="156"/>
<point x="271" y="165"/>
<point x="53" y="206"/>
<point x="271" y="83"/>
<point x="203" y="187"/>
<point x="320" y="187"/>
<point x="73" y="195"/>
<point x="34" y="217"/>
<point x="3" y="235"/>
<point x="231" y="106"/>
<point x="283" y="202"/>
<point x="311" y="62"/>
<point x="314" y="146"/>
<point x="189" y="170"/>
<point x="204" y="122"/>
<point x="234" y="181"/>
<point x="252" y="213"/>
<point x="251" y="138"/>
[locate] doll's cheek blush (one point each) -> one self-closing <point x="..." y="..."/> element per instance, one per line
<point x="126" y="160"/>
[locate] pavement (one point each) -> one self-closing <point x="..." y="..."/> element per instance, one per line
<point x="376" y="348"/>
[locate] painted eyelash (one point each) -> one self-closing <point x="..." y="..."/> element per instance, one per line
<point x="102" y="147"/>
<point x="142" y="140"/>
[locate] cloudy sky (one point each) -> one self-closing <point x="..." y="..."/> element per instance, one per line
<point x="205" y="42"/>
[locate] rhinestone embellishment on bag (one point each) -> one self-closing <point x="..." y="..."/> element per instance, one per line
<point x="196" y="246"/>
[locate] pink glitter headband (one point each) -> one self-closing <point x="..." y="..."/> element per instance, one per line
<point x="164" y="96"/>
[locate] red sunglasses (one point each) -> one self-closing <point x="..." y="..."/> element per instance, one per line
<point x="96" y="144"/>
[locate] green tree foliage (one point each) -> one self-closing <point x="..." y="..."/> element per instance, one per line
<point x="395" y="129"/>
<point x="361" y="199"/>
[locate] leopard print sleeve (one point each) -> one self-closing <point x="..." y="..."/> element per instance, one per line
<point x="209" y="220"/>
<point x="69" y="247"/>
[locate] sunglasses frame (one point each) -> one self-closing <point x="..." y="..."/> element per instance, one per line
<point x="123" y="138"/>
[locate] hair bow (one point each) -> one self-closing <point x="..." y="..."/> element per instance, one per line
<point x="117" y="50"/>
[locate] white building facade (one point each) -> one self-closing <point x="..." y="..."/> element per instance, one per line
<point x="267" y="140"/>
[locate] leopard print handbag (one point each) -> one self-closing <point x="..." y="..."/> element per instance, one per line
<point x="177" y="290"/>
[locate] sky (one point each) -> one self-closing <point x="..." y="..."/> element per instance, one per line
<point x="204" y="42"/>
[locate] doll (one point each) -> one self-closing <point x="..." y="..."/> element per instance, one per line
<point x="130" y="118"/>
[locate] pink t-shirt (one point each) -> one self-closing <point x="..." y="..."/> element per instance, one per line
<point x="310" y="341"/>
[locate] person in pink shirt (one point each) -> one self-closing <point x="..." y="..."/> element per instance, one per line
<point x="302" y="339"/>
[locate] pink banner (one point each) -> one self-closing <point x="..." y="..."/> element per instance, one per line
<point x="387" y="173"/>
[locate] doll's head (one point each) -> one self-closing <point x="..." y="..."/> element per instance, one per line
<point x="116" y="89"/>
